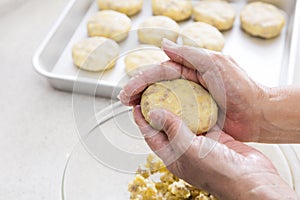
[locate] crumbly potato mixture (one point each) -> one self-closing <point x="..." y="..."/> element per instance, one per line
<point x="154" y="181"/>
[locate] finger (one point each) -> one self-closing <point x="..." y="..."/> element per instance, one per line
<point x="129" y="100"/>
<point x="215" y="70"/>
<point x="148" y="132"/>
<point x="214" y="133"/>
<point x="194" y="58"/>
<point x="157" y="141"/>
<point x="142" y="80"/>
<point x="202" y="81"/>
<point x="218" y="135"/>
<point x="179" y="135"/>
<point x="131" y="93"/>
<point x="235" y="145"/>
<point x="186" y="73"/>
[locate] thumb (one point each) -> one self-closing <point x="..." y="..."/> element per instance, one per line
<point x="179" y="135"/>
<point x="214" y="69"/>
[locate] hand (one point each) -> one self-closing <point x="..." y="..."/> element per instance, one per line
<point x="239" y="98"/>
<point x="216" y="162"/>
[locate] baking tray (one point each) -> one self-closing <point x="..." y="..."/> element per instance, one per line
<point x="270" y="62"/>
<point x="112" y="148"/>
<point x="295" y="74"/>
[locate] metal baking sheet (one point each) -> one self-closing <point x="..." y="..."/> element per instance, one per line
<point x="270" y="62"/>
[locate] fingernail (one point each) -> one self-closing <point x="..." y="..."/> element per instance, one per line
<point x="123" y="97"/>
<point x="118" y="96"/>
<point x="167" y="43"/>
<point x="157" y="118"/>
<point x="122" y="93"/>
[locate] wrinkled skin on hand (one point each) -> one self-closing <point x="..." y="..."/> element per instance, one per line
<point x="216" y="162"/>
<point x="239" y="98"/>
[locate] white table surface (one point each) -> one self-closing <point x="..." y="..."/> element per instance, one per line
<point x="37" y="125"/>
<point x="37" y="129"/>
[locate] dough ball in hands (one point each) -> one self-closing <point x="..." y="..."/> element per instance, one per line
<point x="219" y="14"/>
<point x="184" y="98"/>
<point x="142" y="58"/>
<point x="262" y="20"/>
<point x="199" y="34"/>
<point x="110" y="24"/>
<point x="95" y="54"/>
<point x="128" y="7"/>
<point x="155" y="28"/>
<point x="178" y="10"/>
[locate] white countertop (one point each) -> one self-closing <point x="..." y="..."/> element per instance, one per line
<point x="36" y="121"/>
<point x="37" y="126"/>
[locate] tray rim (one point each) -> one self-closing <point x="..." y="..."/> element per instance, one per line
<point x="294" y="45"/>
<point x="56" y="79"/>
<point x="35" y="59"/>
<point x="65" y="78"/>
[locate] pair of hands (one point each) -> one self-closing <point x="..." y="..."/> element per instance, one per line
<point x="218" y="160"/>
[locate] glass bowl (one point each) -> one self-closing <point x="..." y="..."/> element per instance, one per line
<point x="104" y="162"/>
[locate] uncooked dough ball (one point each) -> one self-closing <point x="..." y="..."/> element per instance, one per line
<point x="140" y="59"/>
<point x="176" y="9"/>
<point x="219" y="14"/>
<point x="155" y="28"/>
<point x="262" y="19"/>
<point x="95" y="54"/>
<point x="184" y="98"/>
<point x="110" y="24"/>
<point x="128" y="7"/>
<point x="199" y="34"/>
